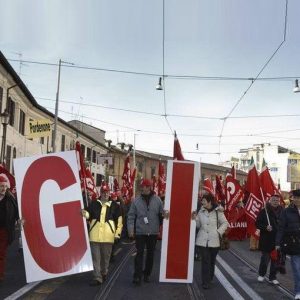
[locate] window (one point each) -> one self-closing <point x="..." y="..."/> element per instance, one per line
<point x="22" y="122"/>
<point x="63" y="142"/>
<point x="42" y="140"/>
<point x="1" y="96"/>
<point x="8" y="157"/>
<point x="88" y="153"/>
<point x="152" y="171"/>
<point x="99" y="178"/>
<point x="82" y="150"/>
<point x="11" y="111"/>
<point x="94" y="156"/>
<point x="140" y="167"/>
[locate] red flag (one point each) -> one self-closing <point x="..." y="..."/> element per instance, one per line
<point x="126" y="172"/>
<point x="233" y="172"/>
<point x="177" y="154"/>
<point x="234" y="193"/>
<point x="10" y="179"/>
<point x="154" y="185"/>
<point x="267" y="185"/>
<point x="116" y="186"/>
<point x="128" y="179"/>
<point x="80" y="163"/>
<point x="208" y="187"/>
<point x="161" y="179"/>
<point x="255" y="200"/>
<point x="220" y="191"/>
<point x="90" y="185"/>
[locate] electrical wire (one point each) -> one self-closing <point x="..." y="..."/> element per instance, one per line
<point x="261" y="70"/>
<point x="170" y="115"/>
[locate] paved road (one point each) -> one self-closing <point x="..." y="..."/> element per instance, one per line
<point x="234" y="280"/>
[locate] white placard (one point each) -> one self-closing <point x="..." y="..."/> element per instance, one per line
<point x="55" y="238"/>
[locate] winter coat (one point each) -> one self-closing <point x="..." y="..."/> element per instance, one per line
<point x="139" y="211"/>
<point x="12" y="215"/>
<point x="105" y="221"/>
<point x="267" y="238"/>
<point x="209" y="229"/>
<point x="289" y="223"/>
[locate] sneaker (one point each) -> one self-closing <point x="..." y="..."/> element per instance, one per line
<point x="95" y="282"/>
<point x="260" y="279"/>
<point x="275" y="281"/>
<point x="137" y="280"/>
<point x="205" y="286"/>
<point x="297" y="296"/>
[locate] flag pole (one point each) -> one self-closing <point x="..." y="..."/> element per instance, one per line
<point x="134" y="164"/>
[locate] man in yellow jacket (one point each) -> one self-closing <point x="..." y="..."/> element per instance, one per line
<point x="105" y="226"/>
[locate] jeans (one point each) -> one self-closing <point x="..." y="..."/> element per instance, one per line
<point x="100" y="254"/>
<point x="140" y="242"/>
<point x="3" y="250"/>
<point x="263" y="266"/>
<point x="208" y="262"/>
<point x="295" y="262"/>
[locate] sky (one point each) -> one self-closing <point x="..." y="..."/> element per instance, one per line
<point x="188" y="42"/>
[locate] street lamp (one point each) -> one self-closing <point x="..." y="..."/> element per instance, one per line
<point x="4" y="120"/>
<point x="296" y="88"/>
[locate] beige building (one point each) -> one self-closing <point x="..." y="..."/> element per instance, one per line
<point x="22" y="107"/>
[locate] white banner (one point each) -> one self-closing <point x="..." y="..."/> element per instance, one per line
<point x="55" y="238"/>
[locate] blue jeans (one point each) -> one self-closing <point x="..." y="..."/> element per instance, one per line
<point x="295" y="262"/>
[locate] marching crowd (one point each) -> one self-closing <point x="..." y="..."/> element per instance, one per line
<point x="109" y="219"/>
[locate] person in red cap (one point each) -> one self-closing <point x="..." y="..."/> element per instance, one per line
<point x="8" y="217"/>
<point x="267" y="222"/>
<point x="105" y="220"/>
<point x="143" y="221"/>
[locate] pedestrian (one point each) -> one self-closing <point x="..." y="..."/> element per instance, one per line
<point x="105" y="226"/>
<point x="119" y="201"/>
<point x="8" y="217"/>
<point x="143" y="221"/>
<point x="267" y="222"/>
<point x="288" y="237"/>
<point x="212" y="224"/>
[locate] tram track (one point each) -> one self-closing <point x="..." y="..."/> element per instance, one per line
<point x="111" y="280"/>
<point x="251" y="266"/>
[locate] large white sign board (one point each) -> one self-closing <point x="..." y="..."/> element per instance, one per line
<point x="55" y="238"/>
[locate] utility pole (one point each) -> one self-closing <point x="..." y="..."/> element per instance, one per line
<point x="56" y="105"/>
<point x="56" y="110"/>
<point x="134" y="163"/>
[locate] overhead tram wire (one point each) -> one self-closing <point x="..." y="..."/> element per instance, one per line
<point x="163" y="67"/>
<point x="261" y="70"/>
<point x="171" y="134"/>
<point x="170" y="114"/>
<point x="169" y="76"/>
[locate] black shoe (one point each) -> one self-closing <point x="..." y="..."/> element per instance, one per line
<point x="146" y="278"/>
<point x="104" y="277"/>
<point x="95" y="282"/>
<point x="137" y="280"/>
<point x="205" y="286"/>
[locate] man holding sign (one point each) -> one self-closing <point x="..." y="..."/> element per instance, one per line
<point x="8" y="216"/>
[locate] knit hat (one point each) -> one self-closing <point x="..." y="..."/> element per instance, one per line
<point x="146" y="182"/>
<point x="3" y="179"/>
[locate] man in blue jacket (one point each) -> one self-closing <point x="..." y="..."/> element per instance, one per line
<point x="144" y="217"/>
<point x="288" y="236"/>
